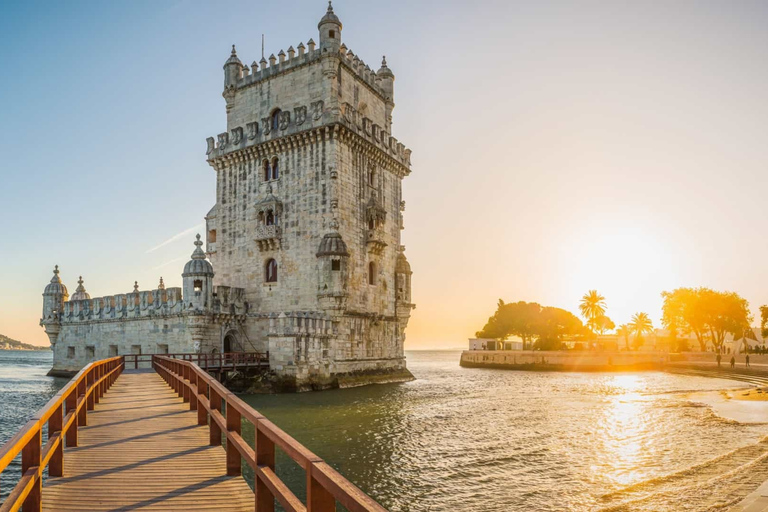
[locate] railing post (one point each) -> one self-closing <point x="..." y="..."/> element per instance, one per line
<point x="185" y="382"/>
<point x="71" y="405"/>
<point x="55" y="424"/>
<point x="265" y="456"/>
<point x="202" y="391"/>
<point x="318" y="498"/>
<point x="233" y="455"/>
<point x="90" y="397"/>
<point x="82" y="390"/>
<point x="30" y="458"/>
<point x="193" y="379"/>
<point x="215" y="430"/>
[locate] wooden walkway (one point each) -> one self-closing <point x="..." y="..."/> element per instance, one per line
<point x="144" y="450"/>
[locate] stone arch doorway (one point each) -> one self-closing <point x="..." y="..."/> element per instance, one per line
<point x="231" y="343"/>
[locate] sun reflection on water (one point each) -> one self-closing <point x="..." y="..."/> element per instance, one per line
<point x="625" y="431"/>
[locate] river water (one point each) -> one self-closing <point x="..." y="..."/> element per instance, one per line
<point x="493" y="440"/>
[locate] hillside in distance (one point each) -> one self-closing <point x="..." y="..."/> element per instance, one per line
<point x="7" y="343"/>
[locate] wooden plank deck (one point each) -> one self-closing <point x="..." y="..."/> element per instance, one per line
<point x="143" y="450"/>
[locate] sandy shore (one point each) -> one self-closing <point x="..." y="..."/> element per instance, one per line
<point x="744" y="405"/>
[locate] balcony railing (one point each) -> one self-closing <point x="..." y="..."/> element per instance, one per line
<point x="268" y="237"/>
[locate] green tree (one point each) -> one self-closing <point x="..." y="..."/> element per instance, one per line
<point x="592" y="307"/>
<point x="514" y="319"/>
<point x="554" y="324"/>
<point x="684" y="310"/>
<point x="641" y="324"/>
<point x="624" y="332"/>
<point x="603" y="323"/>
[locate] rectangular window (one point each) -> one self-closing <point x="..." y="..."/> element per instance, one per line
<point x="90" y="352"/>
<point x="162" y="348"/>
<point x="113" y="351"/>
<point x="212" y="236"/>
<point x="336" y="265"/>
<point x="136" y="349"/>
<point x="197" y="286"/>
<point x="70" y="352"/>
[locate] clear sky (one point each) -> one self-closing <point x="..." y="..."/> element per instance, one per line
<point x="557" y="146"/>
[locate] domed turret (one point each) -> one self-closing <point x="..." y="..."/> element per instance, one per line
<point x="55" y="286"/>
<point x="330" y="31"/>
<point x="403" y="278"/>
<point x="332" y="264"/>
<point x="80" y="293"/>
<point x="198" y="280"/>
<point x="198" y="265"/>
<point x="232" y="68"/>
<point x="54" y="296"/>
<point x="332" y="245"/>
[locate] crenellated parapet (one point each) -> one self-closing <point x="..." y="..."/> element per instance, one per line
<point x="301" y="323"/>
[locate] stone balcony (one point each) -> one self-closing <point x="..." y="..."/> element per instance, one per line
<point x="268" y="237"/>
<point x="375" y="241"/>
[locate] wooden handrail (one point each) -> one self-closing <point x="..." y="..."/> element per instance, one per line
<point x="76" y="398"/>
<point x="205" y="360"/>
<point x="325" y="486"/>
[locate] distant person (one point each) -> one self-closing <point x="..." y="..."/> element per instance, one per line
<point x="747" y="360"/>
<point x="733" y="361"/>
<point x="718" y="359"/>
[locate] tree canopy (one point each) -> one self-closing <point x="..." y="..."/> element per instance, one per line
<point x="708" y="314"/>
<point x="546" y="326"/>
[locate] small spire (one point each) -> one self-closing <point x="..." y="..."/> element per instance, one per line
<point x="161" y="286"/>
<point x="198" y="254"/>
<point x="80" y="282"/>
<point x="135" y="287"/>
<point x="384" y="61"/>
<point x="234" y="53"/>
<point x="330" y="6"/>
<point x="56" y="278"/>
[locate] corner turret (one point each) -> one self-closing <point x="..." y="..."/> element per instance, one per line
<point x="330" y="31"/>
<point x="233" y="70"/>
<point x="386" y="79"/>
<point x="54" y="296"/>
<point x="80" y="293"/>
<point x="198" y="280"/>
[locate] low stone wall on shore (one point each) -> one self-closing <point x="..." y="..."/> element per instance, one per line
<point x="577" y="361"/>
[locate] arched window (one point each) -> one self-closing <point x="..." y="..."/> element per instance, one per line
<point x="372" y="178"/>
<point x="276" y="119"/>
<point x="270" y="271"/>
<point x="197" y="286"/>
<point x="275" y="172"/>
<point x="372" y="273"/>
<point x="267" y="171"/>
<point x="270" y="218"/>
<point x="371" y="223"/>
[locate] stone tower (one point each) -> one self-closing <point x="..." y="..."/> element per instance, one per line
<point x="308" y="210"/>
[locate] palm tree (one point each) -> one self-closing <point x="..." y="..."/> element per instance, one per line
<point x="641" y="324"/>
<point x="624" y="332"/>
<point x="592" y="307"/>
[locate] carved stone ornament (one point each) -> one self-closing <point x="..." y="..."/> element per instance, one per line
<point x="223" y="140"/>
<point x="266" y="126"/>
<point x="284" y="119"/>
<point x="349" y="113"/>
<point x="317" y="110"/>
<point x="367" y="126"/>
<point x="253" y="130"/>
<point x="211" y="145"/>
<point x="237" y="135"/>
<point x="301" y="114"/>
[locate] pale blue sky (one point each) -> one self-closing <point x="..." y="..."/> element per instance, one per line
<point x="557" y="146"/>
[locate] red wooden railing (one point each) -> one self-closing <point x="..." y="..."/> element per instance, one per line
<point x="216" y="361"/>
<point x="63" y="413"/>
<point x="325" y="486"/>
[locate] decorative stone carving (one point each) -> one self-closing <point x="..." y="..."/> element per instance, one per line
<point x="317" y="110"/>
<point x="284" y="118"/>
<point x="223" y="140"/>
<point x="301" y="114"/>
<point x="211" y="145"/>
<point x="266" y="126"/>
<point x="253" y="130"/>
<point x="237" y="135"/>
<point x="367" y="126"/>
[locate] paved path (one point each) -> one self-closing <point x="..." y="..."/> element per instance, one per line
<point x="143" y="450"/>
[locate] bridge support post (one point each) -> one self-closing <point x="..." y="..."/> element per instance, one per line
<point x="81" y="393"/>
<point x="185" y="385"/>
<point x="318" y="498"/>
<point x="30" y="460"/>
<point x="90" y="401"/>
<point x="55" y="425"/>
<point x="193" y="379"/>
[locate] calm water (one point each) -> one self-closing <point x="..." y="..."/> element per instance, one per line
<point x="492" y="440"/>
